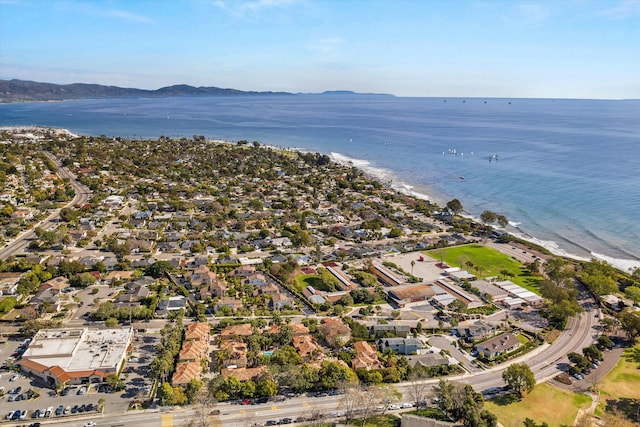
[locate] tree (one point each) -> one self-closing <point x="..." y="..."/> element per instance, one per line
<point x="419" y="389"/>
<point x="630" y="323"/>
<point x="114" y="382"/>
<point x="488" y="217"/>
<point x="454" y="206"/>
<point x="520" y="378"/>
<point x="159" y="269"/>
<point x="633" y="292"/>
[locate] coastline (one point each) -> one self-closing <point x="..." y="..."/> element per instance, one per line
<point x="389" y="179"/>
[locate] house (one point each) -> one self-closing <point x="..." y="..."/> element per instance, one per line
<point x="198" y="331"/>
<point x="335" y="331"/>
<point x="243" y="374"/>
<point x="48" y="297"/>
<point x="380" y="331"/>
<point x="399" y="345"/>
<point x="9" y="283"/>
<point x="171" y="304"/>
<point x="241" y="330"/>
<point x="231" y="302"/>
<point x="256" y="279"/>
<point x="185" y="372"/>
<point x="427" y="360"/>
<point x="496" y="346"/>
<point x="216" y="289"/>
<point x="244" y="271"/>
<point x="232" y="354"/>
<point x="306" y="346"/>
<point x="366" y="357"/>
<point x="280" y="301"/>
<point x="57" y="283"/>
<point x="474" y="331"/>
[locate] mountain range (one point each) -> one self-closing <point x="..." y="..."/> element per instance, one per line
<point x="27" y="91"/>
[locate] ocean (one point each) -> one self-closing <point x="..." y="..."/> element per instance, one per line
<point x="566" y="173"/>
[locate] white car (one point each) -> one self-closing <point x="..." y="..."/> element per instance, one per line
<point x="393" y="407"/>
<point x="90" y="424"/>
<point x="14" y="377"/>
<point x="407" y="405"/>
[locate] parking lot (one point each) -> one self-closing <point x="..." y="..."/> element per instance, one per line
<point x="78" y="401"/>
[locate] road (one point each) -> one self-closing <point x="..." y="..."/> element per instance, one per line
<point x="545" y="361"/>
<point x="82" y="194"/>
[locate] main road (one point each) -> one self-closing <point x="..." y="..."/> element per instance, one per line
<point x="546" y="361"/>
<point x="19" y="244"/>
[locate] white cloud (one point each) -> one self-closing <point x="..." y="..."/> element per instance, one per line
<point x="242" y="8"/>
<point x="128" y="16"/>
<point x="624" y="9"/>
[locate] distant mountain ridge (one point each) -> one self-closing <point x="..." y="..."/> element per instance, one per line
<point x="24" y="91"/>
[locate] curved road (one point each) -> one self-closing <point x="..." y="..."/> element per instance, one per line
<point x="545" y="362"/>
<point x="82" y="194"/>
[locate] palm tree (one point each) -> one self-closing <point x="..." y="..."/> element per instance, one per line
<point x="412" y="264"/>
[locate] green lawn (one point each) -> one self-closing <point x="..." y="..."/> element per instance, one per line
<point x="544" y="404"/>
<point x="304" y="280"/>
<point x="490" y="261"/>
<point x="623" y="380"/>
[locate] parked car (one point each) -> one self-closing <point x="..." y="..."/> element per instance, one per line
<point x="14" y="377"/>
<point x="90" y="424"/>
<point x="82" y="390"/>
<point x="393" y="407"/>
<point x="9" y="415"/>
<point x="59" y="410"/>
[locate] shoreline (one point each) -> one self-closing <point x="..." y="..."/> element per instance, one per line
<point x="388" y="178"/>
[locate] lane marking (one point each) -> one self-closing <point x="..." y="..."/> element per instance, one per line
<point x="167" y="420"/>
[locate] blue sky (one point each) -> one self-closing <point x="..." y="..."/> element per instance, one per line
<point x="490" y="48"/>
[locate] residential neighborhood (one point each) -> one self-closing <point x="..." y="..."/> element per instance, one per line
<point x="247" y="273"/>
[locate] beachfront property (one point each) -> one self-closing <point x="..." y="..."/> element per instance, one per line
<point x="62" y="357"/>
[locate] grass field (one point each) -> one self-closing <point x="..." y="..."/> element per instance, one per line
<point x="491" y="263"/>
<point x="544" y="404"/>
<point x="623" y="382"/>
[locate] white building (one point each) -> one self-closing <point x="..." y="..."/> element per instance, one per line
<point x="76" y="355"/>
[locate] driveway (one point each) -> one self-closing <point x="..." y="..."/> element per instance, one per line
<point x="446" y="343"/>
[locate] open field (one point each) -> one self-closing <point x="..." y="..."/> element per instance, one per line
<point x="304" y="280"/>
<point x="545" y="403"/>
<point x="622" y="382"/>
<point x="490" y="262"/>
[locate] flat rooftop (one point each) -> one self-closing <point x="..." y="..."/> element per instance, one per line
<point x="79" y="349"/>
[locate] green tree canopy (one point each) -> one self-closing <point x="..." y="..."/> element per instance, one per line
<point x="519" y="377"/>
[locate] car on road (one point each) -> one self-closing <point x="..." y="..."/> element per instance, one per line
<point x="271" y="423"/>
<point x="90" y="424"/>
<point x="393" y="407"/>
<point x="286" y="420"/>
<point x="407" y="405"/>
<point x="246" y="402"/>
